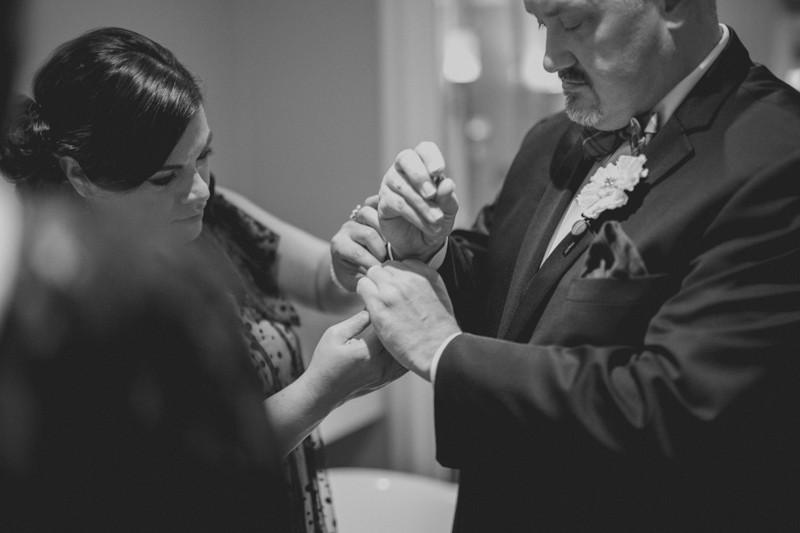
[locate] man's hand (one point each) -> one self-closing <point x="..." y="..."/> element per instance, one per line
<point x="358" y="245"/>
<point x="410" y="310"/>
<point x="417" y="204"/>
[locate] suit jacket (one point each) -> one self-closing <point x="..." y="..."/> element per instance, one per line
<point x="665" y="402"/>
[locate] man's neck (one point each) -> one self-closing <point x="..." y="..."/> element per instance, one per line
<point x="681" y="89"/>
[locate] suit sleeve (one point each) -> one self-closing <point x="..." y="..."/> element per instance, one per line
<point x="719" y="359"/>
<point x="464" y="273"/>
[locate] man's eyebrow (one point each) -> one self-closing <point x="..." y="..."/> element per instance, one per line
<point x="178" y="167"/>
<point x="552" y="12"/>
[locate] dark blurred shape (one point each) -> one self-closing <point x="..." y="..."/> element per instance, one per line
<point x="127" y="402"/>
<point x="9" y="10"/>
<point x="792" y="5"/>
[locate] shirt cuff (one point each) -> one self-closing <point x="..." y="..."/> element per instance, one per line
<point x="438" y="258"/>
<point x="438" y="355"/>
<point x="434" y="262"/>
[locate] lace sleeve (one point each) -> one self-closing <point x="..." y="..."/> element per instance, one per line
<point x="253" y="250"/>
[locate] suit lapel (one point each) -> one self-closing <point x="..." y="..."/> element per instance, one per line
<point x="528" y="294"/>
<point x="570" y="168"/>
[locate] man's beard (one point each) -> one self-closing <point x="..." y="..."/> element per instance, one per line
<point x="585" y="114"/>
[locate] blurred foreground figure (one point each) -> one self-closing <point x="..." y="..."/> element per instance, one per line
<point x="126" y="398"/>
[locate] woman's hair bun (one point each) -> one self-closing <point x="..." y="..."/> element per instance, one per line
<point x="26" y="155"/>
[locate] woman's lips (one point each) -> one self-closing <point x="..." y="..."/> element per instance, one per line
<point x="192" y="218"/>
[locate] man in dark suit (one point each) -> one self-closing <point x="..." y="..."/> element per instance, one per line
<point x="623" y="354"/>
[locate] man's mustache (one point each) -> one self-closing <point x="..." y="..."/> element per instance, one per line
<point x="573" y="75"/>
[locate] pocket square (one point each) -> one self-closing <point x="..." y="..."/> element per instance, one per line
<point x="612" y="254"/>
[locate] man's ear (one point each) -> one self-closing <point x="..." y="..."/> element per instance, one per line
<point x="74" y="173"/>
<point x="675" y="11"/>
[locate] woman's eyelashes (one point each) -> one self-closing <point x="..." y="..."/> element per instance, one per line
<point x="163" y="181"/>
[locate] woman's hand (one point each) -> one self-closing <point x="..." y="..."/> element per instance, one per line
<point x="358" y="245"/>
<point x="349" y="361"/>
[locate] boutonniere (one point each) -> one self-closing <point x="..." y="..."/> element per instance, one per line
<point x="609" y="187"/>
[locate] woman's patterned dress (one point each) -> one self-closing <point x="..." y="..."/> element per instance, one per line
<point x="269" y="321"/>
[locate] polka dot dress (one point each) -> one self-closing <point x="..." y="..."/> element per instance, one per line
<point x="269" y="321"/>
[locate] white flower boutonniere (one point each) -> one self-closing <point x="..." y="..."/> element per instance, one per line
<point x="609" y="186"/>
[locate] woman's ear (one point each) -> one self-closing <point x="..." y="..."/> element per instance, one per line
<point x="74" y="173"/>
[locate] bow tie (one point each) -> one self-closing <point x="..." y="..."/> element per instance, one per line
<point x="598" y="144"/>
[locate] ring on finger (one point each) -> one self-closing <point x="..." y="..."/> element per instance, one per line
<point x="354" y="212"/>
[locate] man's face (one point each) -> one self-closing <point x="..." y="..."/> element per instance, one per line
<point x="609" y="55"/>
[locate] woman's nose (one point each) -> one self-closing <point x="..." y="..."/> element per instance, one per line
<point x="199" y="191"/>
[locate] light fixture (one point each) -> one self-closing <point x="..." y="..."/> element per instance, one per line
<point x="462" y="56"/>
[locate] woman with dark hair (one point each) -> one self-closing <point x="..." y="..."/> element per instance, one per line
<point x="118" y="124"/>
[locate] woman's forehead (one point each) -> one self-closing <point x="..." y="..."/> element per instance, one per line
<point x="194" y="139"/>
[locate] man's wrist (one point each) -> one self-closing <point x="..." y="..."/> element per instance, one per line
<point x="438" y="356"/>
<point x="433" y="259"/>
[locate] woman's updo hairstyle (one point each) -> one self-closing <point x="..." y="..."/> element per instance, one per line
<point x="112" y="99"/>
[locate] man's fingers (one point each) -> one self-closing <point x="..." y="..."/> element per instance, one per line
<point x="410" y="165"/>
<point x="446" y="197"/>
<point x="432" y="157"/>
<point x="392" y="205"/>
<point x="367" y="289"/>
<point x="374" y="345"/>
<point x="426" y="211"/>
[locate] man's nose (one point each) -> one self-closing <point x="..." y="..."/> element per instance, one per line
<point x="556" y="55"/>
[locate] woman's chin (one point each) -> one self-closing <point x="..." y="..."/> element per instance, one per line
<point x="188" y="229"/>
<point x="194" y="232"/>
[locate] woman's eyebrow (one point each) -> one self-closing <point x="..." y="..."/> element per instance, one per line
<point x="179" y="166"/>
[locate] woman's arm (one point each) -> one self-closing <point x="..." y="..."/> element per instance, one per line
<point x="304" y="261"/>
<point x="348" y="362"/>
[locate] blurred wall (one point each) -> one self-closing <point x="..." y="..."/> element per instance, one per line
<point x="756" y="23"/>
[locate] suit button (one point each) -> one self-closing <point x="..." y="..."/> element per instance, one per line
<point x="579" y="228"/>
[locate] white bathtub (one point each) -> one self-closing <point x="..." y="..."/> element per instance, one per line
<point x="385" y="501"/>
